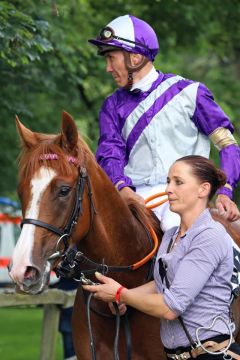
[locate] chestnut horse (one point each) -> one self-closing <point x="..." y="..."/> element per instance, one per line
<point x="64" y="192"/>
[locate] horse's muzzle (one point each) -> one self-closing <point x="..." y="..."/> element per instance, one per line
<point x="33" y="280"/>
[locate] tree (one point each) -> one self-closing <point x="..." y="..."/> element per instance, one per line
<point x="47" y="64"/>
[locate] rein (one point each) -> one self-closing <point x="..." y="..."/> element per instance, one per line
<point x="72" y="258"/>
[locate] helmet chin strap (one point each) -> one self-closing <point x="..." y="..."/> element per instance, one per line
<point x="131" y="68"/>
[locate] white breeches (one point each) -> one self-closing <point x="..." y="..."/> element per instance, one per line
<point x="165" y="215"/>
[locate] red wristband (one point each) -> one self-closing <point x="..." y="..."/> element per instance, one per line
<point x="118" y="293"/>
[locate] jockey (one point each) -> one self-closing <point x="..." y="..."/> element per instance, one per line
<point x="155" y="118"/>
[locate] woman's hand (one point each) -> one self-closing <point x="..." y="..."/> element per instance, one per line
<point x="105" y="291"/>
<point x="121" y="307"/>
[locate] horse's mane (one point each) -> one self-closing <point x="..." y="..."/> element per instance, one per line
<point x="30" y="158"/>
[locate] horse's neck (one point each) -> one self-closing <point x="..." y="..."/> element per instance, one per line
<point x="115" y="233"/>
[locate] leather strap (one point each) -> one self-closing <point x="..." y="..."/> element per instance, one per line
<point x="128" y="337"/>
<point x="209" y="345"/>
<point x="44" y="225"/>
<point x="233" y="355"/>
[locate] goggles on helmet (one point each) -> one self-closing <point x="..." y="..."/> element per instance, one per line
<point x="107" y="34"/>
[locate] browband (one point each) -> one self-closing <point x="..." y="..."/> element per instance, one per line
<point x="52" y="156"/>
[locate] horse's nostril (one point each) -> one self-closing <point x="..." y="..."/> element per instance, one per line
<point x="31" y="276"/>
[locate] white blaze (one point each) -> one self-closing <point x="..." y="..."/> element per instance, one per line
<point x="22" y="254"/>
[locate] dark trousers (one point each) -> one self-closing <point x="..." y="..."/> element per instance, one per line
<point x="68" y="345"/>
<point x="66" y="331"/>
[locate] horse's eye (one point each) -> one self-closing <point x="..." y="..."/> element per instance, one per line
<point x="64" y="191"/>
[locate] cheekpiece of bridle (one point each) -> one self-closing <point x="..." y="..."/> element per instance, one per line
<point x="66" y="232"/>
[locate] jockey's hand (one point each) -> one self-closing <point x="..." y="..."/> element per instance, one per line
<point x="128" y="194"/>
<point x="227" y="208"/>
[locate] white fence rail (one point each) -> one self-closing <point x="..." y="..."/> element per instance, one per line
<point x="52" y="300"/>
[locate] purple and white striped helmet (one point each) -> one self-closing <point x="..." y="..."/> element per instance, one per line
<point x="130" y="34"/>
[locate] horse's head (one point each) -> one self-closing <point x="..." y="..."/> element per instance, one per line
<point x="51" y="175"/>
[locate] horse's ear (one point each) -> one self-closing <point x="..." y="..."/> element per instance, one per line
<point x="28" y="137"/>
<point x="69" y="135"/>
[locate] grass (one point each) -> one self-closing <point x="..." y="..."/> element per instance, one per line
<point x="20" y="334"/>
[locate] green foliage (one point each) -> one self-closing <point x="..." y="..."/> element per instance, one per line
<point x="47" y="64"/>
<point x="22" y="37"/>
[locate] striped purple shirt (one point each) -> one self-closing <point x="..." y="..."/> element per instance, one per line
<point x="199" y="270"/>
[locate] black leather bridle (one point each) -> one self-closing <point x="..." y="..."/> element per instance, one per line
<point x="65" y="233"/>
<point x="71" y="258"/>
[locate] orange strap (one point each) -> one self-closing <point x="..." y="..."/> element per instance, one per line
<point x="154" y="236"/>
<point x="155" y="196"/>
<point x="150" y="255"/>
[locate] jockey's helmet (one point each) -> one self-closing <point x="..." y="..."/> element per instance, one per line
<point x="129" y="34"/>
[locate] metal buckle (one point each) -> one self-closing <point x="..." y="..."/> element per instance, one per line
<point x="181" y="356"/>
<point x="85" y="281"/>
